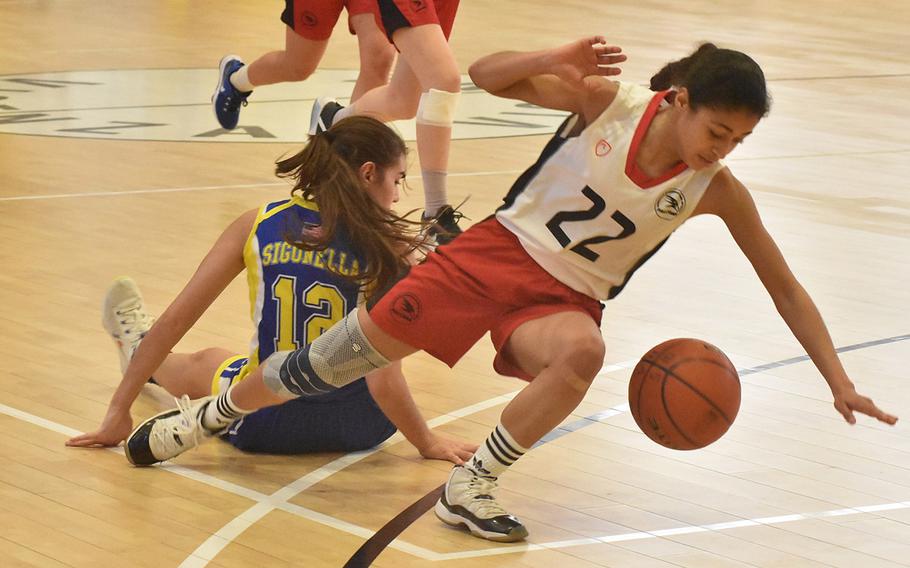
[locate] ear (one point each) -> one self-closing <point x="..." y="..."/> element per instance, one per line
<point x="682" y="98"/>
<point x="368" y="172"/>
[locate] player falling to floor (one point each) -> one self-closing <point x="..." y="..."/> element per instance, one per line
<point x="425" y="84"/>
<point x="347" y="181"/>
<point x="624" y="171"/>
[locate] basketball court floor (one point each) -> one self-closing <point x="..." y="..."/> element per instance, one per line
<point x="111" y="163"/>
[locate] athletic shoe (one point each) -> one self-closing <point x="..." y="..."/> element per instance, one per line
<point x="323" y="115"/>
<point x="123" y="317"/>
<point x="168" y="434"/>
<point x="226" y="99"/>
<point x="467" y="500"/>
<point x="444" y="225"/>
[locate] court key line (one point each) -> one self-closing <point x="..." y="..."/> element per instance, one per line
<point x="279" y="500"/>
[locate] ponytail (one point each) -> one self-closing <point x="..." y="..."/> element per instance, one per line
<point x="675" y="72"/>
<point x="717" y="78"/>
<point x="326" y="172"/>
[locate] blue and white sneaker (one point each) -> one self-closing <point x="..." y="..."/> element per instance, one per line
<point x="226" y="99"/>
<point x="323" y="115"/>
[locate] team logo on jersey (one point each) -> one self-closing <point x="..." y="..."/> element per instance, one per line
<point x="670" y="204"/>
<point x="309" y="19"/>
<point x="419" y="5"/>
<point x="406" y="307"/>
<point x="602" y="148"/>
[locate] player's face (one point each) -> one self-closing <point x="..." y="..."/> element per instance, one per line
<point x="709" y="134"/>
<point x="384" y="185"/>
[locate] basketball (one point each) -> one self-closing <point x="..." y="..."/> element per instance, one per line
<point x="684" y="394"/>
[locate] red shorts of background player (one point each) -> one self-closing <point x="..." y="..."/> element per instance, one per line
<point x="315" y="19"/>
<point x="397" y="14"/>
<point x="483" y="281"/>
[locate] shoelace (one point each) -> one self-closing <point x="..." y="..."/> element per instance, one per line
<point x="480" y="491"/>
<point x="233" y="100"/>
<point x="132" y="316"/>
<point x="174" y="437"/>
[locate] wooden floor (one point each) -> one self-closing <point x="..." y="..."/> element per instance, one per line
<point x="790" y="485"/>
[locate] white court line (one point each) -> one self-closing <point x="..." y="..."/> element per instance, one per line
<point x="207" y="551"/>
<point x="264" y="504"/>
<point x="623" y="537"/>
<point x="204" y="188"/>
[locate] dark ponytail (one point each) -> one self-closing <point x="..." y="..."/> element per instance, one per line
<point x="326" y="172"/>
<point x="717" y="78"/>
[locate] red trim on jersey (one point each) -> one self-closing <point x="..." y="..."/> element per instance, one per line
<point x="635" y="173"/>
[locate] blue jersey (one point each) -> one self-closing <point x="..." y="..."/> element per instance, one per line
<point x="294" y="297"/>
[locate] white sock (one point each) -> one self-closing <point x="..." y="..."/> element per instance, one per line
<point x="343" y="113"/>
<point x="434" y="191"/>
<point x="496" y="454"/>
<point x="241" y="81"/>
<point x="222" y="412"/>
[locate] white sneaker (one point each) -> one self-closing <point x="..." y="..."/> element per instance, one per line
<point x="124" y="318"/>
<point x="168" y="434"/>
<point x="467" y="500"/>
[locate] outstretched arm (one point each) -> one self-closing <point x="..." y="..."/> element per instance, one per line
<point x="568" y="77"/>
<point x="389" y="388"/>
<point x="730" y="200"/>
<point x="223" y="262"/>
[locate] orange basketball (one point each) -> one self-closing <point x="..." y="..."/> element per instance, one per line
<point x="684" y="394"/>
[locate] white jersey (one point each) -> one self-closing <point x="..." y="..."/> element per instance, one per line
<point x="585" y="212"/>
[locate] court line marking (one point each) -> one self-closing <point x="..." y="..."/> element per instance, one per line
<point x="641" y="535"/>
<point x="268" y="184"/>
<point x="278" y="500"/>
<point x="263" y="503"/>
<point x="205" y="188"/>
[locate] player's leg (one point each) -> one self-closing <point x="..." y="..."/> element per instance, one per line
<point x="345" y="421"/>
<point x="125" y="318"/>
<point x="338" y="357"/>
<point x="423" y="46"/>
<point x="563" y="352"/>
<point x="377" y="54"/>
<point x="190" y="374"/>
<point x="309" y="25"/>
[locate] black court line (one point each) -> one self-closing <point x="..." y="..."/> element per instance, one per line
<point x="374" y="546"/>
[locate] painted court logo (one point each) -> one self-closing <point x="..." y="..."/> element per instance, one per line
<point x="174" y="105"/>
<point x="670" y="204"/>
<point x="406" y="307"/>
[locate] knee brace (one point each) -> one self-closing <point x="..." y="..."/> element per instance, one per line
<point x="437" y="108"/>
<point x="339" y="356"/>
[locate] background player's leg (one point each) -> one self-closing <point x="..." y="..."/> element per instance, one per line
<point x="377" y="55"/>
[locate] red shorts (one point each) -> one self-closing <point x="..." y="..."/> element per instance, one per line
<point x="397" y="14"/>
<point x="483" y="281"/>
<point x="315" y="19"/>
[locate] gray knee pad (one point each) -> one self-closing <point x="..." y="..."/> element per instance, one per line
<point x="339" y="356"/>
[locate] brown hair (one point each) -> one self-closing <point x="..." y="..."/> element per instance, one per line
<point x="326" y="172"/>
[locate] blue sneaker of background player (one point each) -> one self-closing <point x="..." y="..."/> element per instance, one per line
<point x="226" y="99"/>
